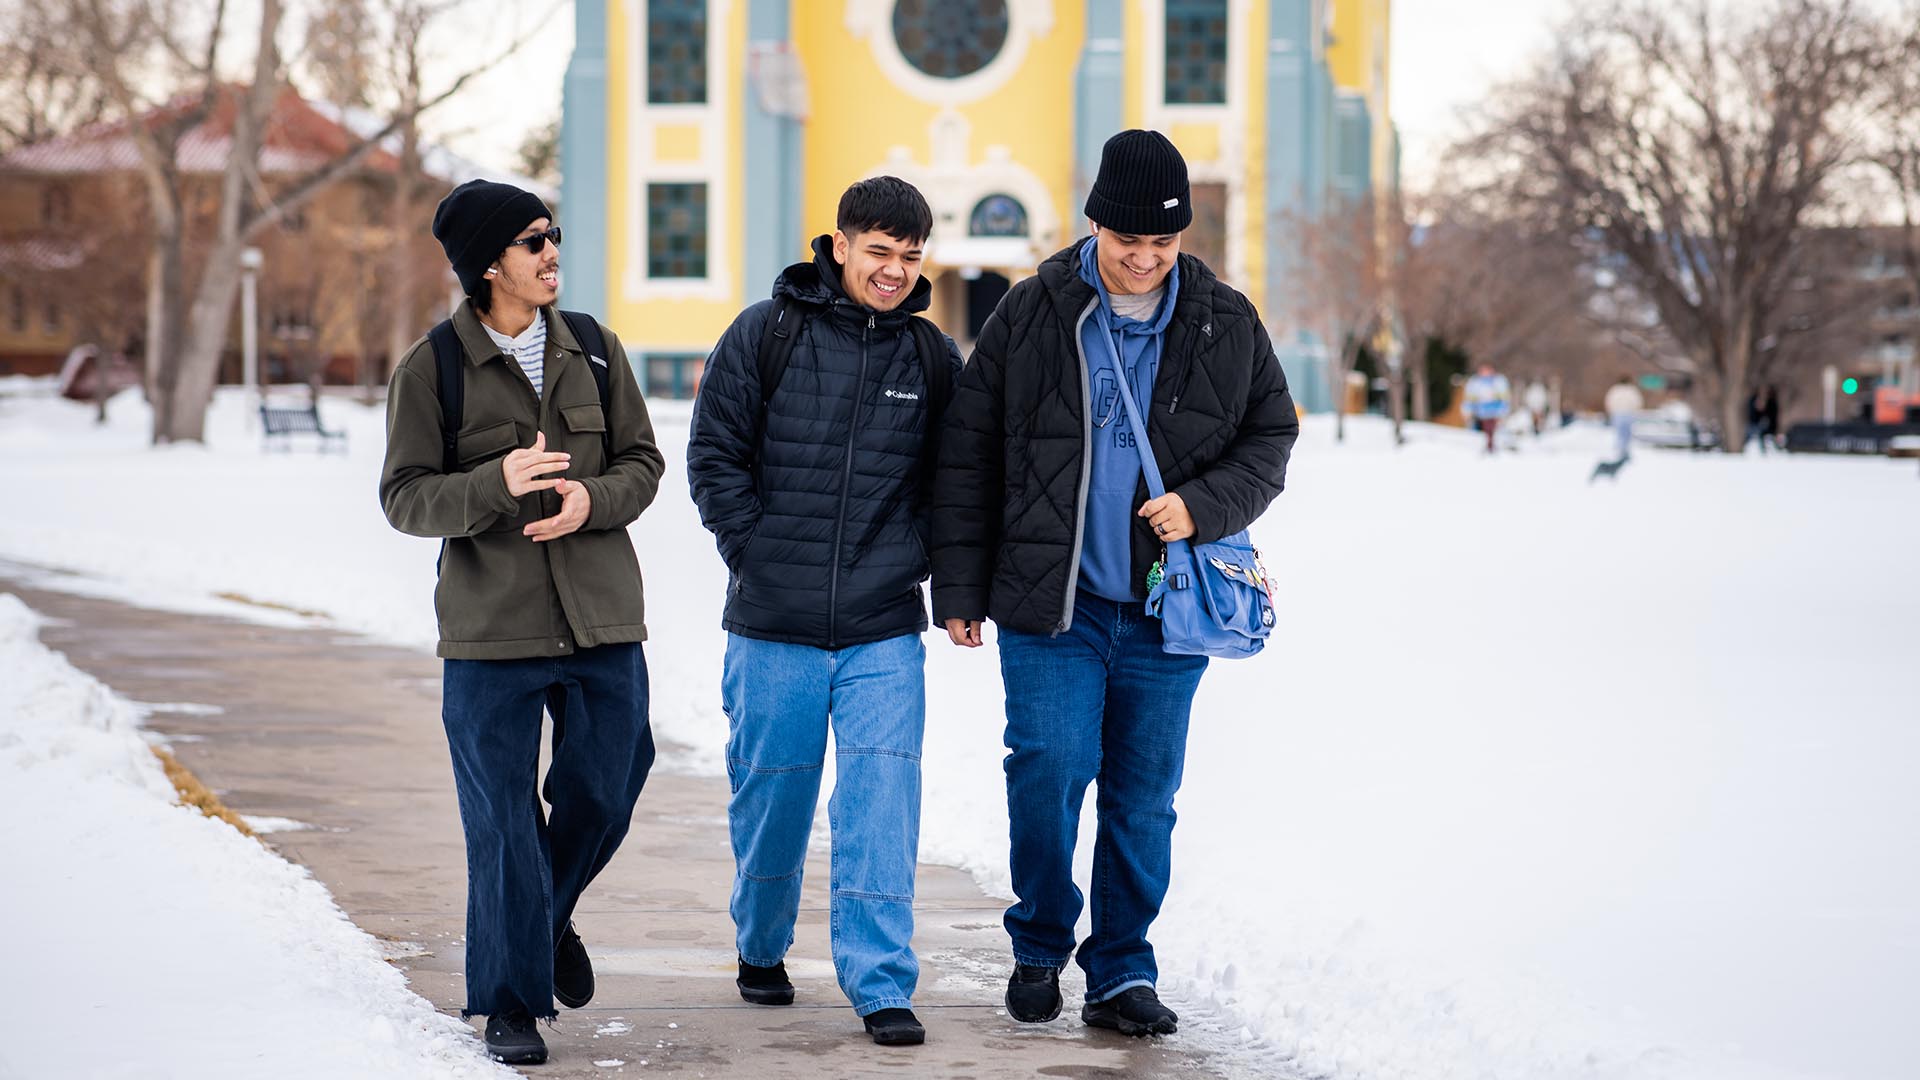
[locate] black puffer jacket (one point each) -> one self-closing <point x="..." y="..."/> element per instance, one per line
<point x="822" y="522"/>
<point x="1010" y="496"/>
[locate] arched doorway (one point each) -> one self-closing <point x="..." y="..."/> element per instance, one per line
<point x="984" y="290"/>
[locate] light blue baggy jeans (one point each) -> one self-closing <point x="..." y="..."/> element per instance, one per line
<point x="779" y="699"/>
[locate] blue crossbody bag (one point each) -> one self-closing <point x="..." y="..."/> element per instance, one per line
<point x="1211" y="599"/>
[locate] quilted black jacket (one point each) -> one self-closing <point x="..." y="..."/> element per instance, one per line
<point x="1010" y="495"/>
<point x="820" y="517"/>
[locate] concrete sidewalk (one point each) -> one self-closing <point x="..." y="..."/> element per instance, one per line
<point x="344" y="736"/>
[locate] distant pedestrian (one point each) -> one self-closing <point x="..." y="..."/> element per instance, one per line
<point x="1537" y="401"/>
<point x="1763" y="416"/>
<point x="1488" y="400"/>
<point x="1623" y="402"/>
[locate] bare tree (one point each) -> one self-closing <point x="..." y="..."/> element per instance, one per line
<point x="130" y="44"/>
<point x="1337" y="284"/>
<point x="1695" y="141"/>
<point x="1895" y="125"/>
<point x="41" y="96"/>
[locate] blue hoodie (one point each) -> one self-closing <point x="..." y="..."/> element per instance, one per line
<point x="1111" y="342"/>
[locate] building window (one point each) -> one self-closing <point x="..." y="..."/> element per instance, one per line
<point x="672" y="375"/>
<point x="676" y="52"/>
<point x="676" y="230"/>
<point x="1196" y="52"/>
<point x="56" y="205"/>
<point x="950" y="39"/>
<point x="51" y="317"/>
<point x="998" y="215"/>
<point x="1206" y="238"/>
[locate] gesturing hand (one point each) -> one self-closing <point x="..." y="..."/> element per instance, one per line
<point x="575" y="504"/>
<point x="523" y="468"/>
<point x="1169" y="517"/>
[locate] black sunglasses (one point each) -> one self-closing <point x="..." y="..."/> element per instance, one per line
<point x="538" y="241"/>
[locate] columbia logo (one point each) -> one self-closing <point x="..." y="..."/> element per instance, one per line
<point x="902" y="395"/>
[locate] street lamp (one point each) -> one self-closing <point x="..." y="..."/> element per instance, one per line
<point x="250" y="262"/>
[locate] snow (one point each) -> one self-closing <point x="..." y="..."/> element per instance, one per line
<point x="1538" y="778"/>
<point x="147" y="940"/>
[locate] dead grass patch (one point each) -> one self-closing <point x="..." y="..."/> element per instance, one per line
<point x="195" y="794"/>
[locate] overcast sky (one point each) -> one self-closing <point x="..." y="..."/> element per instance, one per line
<point x="1446" y="53"/>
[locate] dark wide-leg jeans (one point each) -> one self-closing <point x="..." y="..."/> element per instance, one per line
<point x="526" y="871"/>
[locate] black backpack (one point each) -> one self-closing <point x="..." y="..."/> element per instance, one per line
<point x="447" y="360"/>
<point x="783" y="328"/>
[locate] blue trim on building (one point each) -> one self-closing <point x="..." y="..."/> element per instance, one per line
<point x="1298" y="95"/>
<point x="1099" y="92"/>
<point x="583" y="163"/>
<point x="774" y="234"/>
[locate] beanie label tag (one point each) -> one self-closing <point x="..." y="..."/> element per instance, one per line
<point x="1170" y="204"/>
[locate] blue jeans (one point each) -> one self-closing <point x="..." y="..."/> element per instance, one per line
<point x="525" y="871"/>
<point x="1098" y="702"/>
<point x="779" y="699"/>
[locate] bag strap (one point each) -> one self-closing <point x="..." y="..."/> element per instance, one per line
<point x="447" y="356"/>
<point x="776" y="345"/>
<point x="586" y="331"/>
<point x="1155" y="486"/>
<point x="1178" y="552"/>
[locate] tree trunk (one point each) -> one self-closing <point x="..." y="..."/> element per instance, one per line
<point x="199" y="365"/>
<point x="1421" y="414"/>
<point x="166" y="289"/>
<point x="1397" y="403"/>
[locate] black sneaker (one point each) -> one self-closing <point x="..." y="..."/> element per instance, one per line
<point x="765" y="985"/>
<point x="513" y="1038"/>
<point x="572" y="971"/>
<point x="1133" y="1011"/>
<point x="1033" y="994"/>
<point x="895" y="1027"/>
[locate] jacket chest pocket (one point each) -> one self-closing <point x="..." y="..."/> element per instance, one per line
<point x="589" y="422"/>
<point x="483" y="443"/>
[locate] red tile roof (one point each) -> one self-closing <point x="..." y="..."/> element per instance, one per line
<point x="299" y="139"/>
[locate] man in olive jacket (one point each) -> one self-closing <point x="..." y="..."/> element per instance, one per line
<point x="540" y="602"/>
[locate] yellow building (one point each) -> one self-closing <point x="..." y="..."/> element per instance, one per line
<point x="705" y="142"/>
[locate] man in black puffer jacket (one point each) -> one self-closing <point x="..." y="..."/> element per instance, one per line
<point x="1042" y="522"/>
<point x="814" y="489"/>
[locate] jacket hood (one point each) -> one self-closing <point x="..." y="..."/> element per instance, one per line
<point x="818" y="282"/>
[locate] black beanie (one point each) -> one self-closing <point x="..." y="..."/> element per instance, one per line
<point x="476" y="222"/>
<point x="1142" y="186"/>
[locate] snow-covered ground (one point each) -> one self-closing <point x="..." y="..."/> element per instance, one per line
<point x="1538" y="779"/>
<point x="145" y="940"/>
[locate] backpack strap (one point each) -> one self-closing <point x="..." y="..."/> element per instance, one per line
<point x="586" y="331"/>
<point x="447" y="357"/>
<point x="783" y="327"/>
<point x="938" y="372"/>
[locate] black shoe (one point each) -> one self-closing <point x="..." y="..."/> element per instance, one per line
<point x="895" y="1027"/>
<point x="1133" y="1011"/>
<point x="513" y="1038"/>
<point x="765" y="985"/>
<point x="572" y="971"/>
<point x="1033" y="994"/>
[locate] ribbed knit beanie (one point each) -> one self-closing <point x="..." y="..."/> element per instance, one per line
<point x="477" y="220"/>
<point x="1142" y="186"/>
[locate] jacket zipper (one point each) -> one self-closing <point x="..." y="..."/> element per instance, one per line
<point x="1086" y="468"/>
<point x="846" y="488"/>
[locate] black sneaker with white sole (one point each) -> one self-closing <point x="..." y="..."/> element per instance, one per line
<point x="572" y="970"/>
<point x="764" y="985"/>
<point x="1033" y="993"/>
<point x="514" y="1038"/>
<point x="1133" y="1011"/>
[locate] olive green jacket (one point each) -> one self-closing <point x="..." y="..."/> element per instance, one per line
<point x="501" y="595"/>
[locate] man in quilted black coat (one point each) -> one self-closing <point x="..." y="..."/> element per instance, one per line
<point x="1042" y="523"/>
<point x="813" y="482"/>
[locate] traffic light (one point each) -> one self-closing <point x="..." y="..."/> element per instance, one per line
<point x="1850" y="386"/>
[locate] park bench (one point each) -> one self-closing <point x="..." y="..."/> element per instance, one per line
<point x="282" y="422"/>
